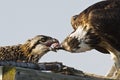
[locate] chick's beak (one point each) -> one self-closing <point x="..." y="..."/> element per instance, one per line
<point x="55" y="45"/>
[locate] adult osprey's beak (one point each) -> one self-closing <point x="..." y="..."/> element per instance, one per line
<point x="65" y="45"/>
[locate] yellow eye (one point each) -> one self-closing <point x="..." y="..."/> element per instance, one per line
<point x="43" y="40"/>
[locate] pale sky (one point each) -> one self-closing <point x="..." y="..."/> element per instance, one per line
<point x="24" y="19"/>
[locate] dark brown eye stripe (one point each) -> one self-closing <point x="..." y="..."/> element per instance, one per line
<point x="33" y="47"/>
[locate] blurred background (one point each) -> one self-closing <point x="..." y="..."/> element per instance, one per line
<point x="24" y="19"/>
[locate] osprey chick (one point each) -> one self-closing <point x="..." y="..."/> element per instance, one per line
<point x="31" y="51"/>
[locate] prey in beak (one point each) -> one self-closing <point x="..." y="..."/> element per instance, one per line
<point x="55" y="45"/>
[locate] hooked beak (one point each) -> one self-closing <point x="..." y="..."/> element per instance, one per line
<point x="55" y="45"/>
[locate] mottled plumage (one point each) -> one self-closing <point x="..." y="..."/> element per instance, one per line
<point x="31" y="51"/>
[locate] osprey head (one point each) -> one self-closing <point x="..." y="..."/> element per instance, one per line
<point x="83" y="38"/>
<point x="40" y="44"/>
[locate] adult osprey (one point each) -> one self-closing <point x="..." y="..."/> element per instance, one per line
<point x="97" y="27"/>
<point x="31" y="51"/>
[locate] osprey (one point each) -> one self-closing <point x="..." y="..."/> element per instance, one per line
<point x="97" y="27"/>
<point x="31" y="51"/>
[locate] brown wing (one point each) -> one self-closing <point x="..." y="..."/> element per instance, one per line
<point x="106" y="21"/>
<point x="83" y="17"/>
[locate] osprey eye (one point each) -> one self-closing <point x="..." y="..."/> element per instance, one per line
<point x="43" y="39"/>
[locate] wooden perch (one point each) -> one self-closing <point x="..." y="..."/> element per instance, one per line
<point x="32" y="71"/>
